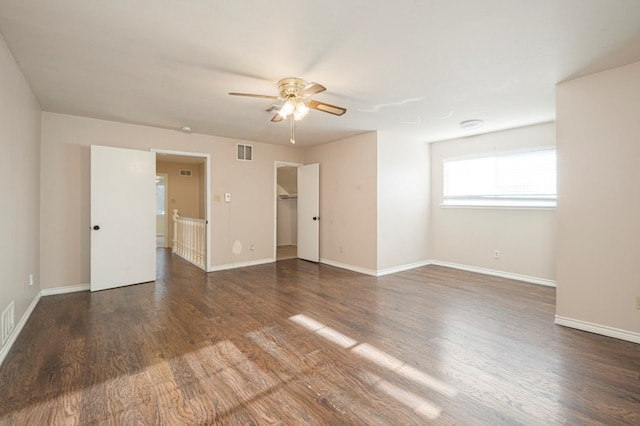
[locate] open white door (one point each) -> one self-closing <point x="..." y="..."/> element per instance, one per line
<point x="309" y="212"/>
<point x="122" y="217"/>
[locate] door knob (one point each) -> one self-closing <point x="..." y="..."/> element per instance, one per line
<point x="96" y="227"/>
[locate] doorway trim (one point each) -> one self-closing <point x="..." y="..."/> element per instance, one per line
<point x="166" y="206"/>
<point x="276" y="164"/>
<point x="207" y="193"/>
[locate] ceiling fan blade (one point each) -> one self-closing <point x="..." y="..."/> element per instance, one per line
<point x="311" y="89"/>
<point x="321" y="106"/>
<point x="253" y="95"/>
<point x="276" y="118"/>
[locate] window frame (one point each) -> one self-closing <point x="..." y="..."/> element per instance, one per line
<point x="489" y="201"/>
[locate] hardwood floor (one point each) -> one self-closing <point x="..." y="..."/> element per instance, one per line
<point x="294" y="342"/>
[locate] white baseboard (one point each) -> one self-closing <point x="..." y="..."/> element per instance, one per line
<point x="402" y="268"/>
<point x="598" y="329"/>
<point x="16" y="331"/>
<point x="67" y="289"/>
<point x="226" y="266"/>
<point x="396" y="269"/>
<point x="349" y="267"/>
<point x="509" y="275"/>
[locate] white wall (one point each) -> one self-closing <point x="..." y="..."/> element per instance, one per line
<point x="65" y="236"/>
<point x="348" y="206"/>
<point x="20" y="188"/>
<point x="599" y="199"/>
<point x="403" y="202"/>
<point x="525" y="238"/>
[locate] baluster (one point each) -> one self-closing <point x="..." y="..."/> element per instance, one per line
<point x="199" y="243"/>
<point x="190" y="241"/>
<point x="193" y="240"/>
<point x="186" y="239"/>
<point x="181" y="236"/>
<point x="174" y="242"/>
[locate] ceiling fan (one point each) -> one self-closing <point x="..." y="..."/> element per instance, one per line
<point x="296" y="94"/>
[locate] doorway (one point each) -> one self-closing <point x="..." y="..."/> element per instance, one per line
<point x="187" y="190"/>
<point x="286" y="214"/>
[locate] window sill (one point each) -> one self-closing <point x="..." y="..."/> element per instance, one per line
<point x="496" y="207"/>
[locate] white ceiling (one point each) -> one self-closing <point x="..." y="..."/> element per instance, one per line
<point x="415" y="67"/>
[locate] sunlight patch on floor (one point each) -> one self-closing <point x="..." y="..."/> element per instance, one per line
<point x="415" y="402"/>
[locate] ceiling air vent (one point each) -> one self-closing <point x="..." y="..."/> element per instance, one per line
<point x="244" y="152"/>
<point x="185" y="172"/>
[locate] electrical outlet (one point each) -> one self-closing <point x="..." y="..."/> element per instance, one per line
<point x="31" y="280"/>
<point x="341" y="249"/>
<point x="637" y="302"/>
<point x="496" y="254"/>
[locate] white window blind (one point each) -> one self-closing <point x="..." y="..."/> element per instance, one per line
<point x="523" y="179"/>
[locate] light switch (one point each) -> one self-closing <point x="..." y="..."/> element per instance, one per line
<point x="227" y="197"/>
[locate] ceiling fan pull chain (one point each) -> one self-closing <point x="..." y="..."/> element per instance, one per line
<point x="292" y="140"/>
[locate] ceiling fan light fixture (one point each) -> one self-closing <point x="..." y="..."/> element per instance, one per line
<point x="300" y="111"/>
<point x="287" y="109"/>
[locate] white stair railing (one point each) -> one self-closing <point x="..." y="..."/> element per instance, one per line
<point x="189" y="239"/>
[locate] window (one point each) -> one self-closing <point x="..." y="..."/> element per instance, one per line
<point x="161" y="188"/>
<point x="523" y="179"/>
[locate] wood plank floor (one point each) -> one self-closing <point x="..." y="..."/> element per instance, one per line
<point x="300" y="343"/>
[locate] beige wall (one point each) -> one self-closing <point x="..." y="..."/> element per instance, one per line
<point x="599" y="198"/>
<point x="348" y="188"/>
<point x="403" y="202"/>
<point x="65" y="239"/>
<point x="19" y="186"/>
<point x="183" y="191"/>
<point x="525" y="238"/>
